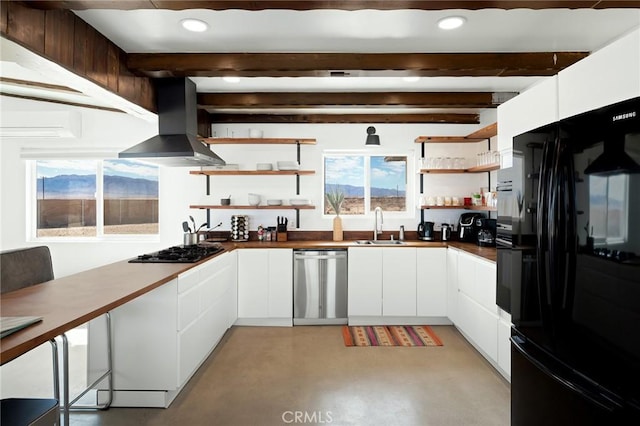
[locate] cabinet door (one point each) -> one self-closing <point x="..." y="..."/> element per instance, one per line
<point x="477" y="279"/>
<point x="253" y="283"/>
<point x="452" y="284"/>
<point x="280" y="283"/>
<point x="144" y="341"/>
<point x="365" y="281"/>
<point x="431" y="281"/>
<point x="231" y="296"/>
<point x="529" y="110"/>
<point x="480" y="325"/>
<point x="605" y="77"/>
<point x="399" y="281"/>
<point x="504" y="345"/>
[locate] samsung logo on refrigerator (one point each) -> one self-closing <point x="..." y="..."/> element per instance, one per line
<point x="625" y="116"/>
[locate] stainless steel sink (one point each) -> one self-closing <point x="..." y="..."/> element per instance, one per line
<point x="382" y="242"/>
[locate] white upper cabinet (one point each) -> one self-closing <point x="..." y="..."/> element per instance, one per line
<point x="531" y="109"/>
<point x="607" y="76"/>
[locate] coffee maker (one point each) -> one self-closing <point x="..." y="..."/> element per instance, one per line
<point x="425" y="231"/>
<point x="468" y="227"/>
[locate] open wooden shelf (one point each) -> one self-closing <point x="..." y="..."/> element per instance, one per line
<point x="258" y="141"/>
<point x="264" y="207"/>
<point x="447" y="139"/>
<point x="479" y="208"/>
<point x="478" y="136"/>
<point x="251" y="172"/>
<point x="478" y="169"/>
<point x="485" y="168"/>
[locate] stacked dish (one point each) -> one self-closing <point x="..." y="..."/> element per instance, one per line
<point x="264" y="166"/>
<point x="274" y="202"/>
<point x="299" y="202"/>
<point x="288" y="165"/>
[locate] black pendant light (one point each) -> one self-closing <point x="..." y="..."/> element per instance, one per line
<point x="372" y="138"/>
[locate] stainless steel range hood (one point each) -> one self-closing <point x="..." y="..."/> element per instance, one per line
<point x="177" y="144"/>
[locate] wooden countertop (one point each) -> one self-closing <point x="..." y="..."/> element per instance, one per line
<point x="68" y="302"/>
<point x="71" y="301"/>
<point x="488" y="253"/>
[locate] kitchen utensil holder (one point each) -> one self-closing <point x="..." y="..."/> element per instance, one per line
<point x="190" y="239"/>
<point x="281" y="236"/>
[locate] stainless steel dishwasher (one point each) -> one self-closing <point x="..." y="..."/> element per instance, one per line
<point x="319" y="287"/>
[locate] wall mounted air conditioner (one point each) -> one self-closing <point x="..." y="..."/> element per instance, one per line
<point x="40" y="124"/>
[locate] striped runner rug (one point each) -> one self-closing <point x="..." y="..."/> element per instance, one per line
<point x="393" y="335"/>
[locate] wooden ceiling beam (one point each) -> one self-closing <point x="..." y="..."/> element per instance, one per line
<point x="346" y="118"/>
<point x="329" y="4"/>
<point x="351" y="99"/>
<point x="351" y="64"/>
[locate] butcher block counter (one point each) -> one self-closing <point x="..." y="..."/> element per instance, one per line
<point x="71" y="301"/>
<point x="488" y="253"/>
<point x="68" y="302"/>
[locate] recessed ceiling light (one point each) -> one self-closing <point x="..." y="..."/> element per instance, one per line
<point x="451" y="22"/>
<point x="231" y="79"/>
<point x="195" y="25"/>
<point x="411" y="78"/>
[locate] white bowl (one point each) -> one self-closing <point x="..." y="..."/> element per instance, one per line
<point x="274" y="202"/>
<point x="299" y="201"/>
<point x="264" y="166"/>
<point x="254" y="199"/>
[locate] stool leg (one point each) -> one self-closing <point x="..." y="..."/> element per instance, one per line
<point x="56" y="372"/>
<point x="65" y="379"/>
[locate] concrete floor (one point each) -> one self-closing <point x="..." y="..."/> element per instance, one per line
<point x="305" y="375"/>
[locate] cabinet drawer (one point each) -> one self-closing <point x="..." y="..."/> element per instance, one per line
<point x="188" y="279"/>
<point x="480" y="325"/>
<point x="188" y="307"/>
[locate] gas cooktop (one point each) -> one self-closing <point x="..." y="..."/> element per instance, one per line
<point x="179" y="254"/>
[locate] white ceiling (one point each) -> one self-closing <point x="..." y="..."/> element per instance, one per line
<point x="363" y="31"/>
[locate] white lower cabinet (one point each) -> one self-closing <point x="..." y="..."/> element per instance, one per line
<point x="452" y="284"/>
<point x="365" y="282"/>
<point x="397" y="285"/>
<point x="478" y="325"/>
<point x="476" y="314"/>
<point x="504" y="344"/>
<point x="265" y="287"/>
<point x="162" y="337"/>
<point x="399" y="282"/>
<point x="432" y="282"/>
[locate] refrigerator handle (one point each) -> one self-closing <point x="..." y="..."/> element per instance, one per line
<point x="542" y="219"/>
<point x="571" y="232"/>
<point x="595" y="396"/>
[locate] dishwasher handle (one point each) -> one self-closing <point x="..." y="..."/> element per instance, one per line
<point x="319" y="256"/>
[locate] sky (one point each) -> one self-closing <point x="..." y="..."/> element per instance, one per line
<point x="126" y="168"/>
<point x="349" y="170"/>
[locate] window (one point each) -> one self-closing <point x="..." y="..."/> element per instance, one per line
<point x="92" y="198"/>
<point x="367" y="181"/>
<point x="608" y="209"/>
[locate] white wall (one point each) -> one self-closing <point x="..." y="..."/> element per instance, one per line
<point x="100" y="130"/>
<point x="116" y="131"/>
<point x="397" y="138"/>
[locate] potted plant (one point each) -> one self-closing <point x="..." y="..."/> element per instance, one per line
<point x="335" y="198"/>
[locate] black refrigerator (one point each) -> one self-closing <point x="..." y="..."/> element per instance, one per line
<point x="575" y="305"/>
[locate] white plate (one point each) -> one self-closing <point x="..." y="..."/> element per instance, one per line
<point x="288" y="165"/>
<point x="274" y="202"/>
<point x="299" y="201"/>
<point x="264" y="166"/>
